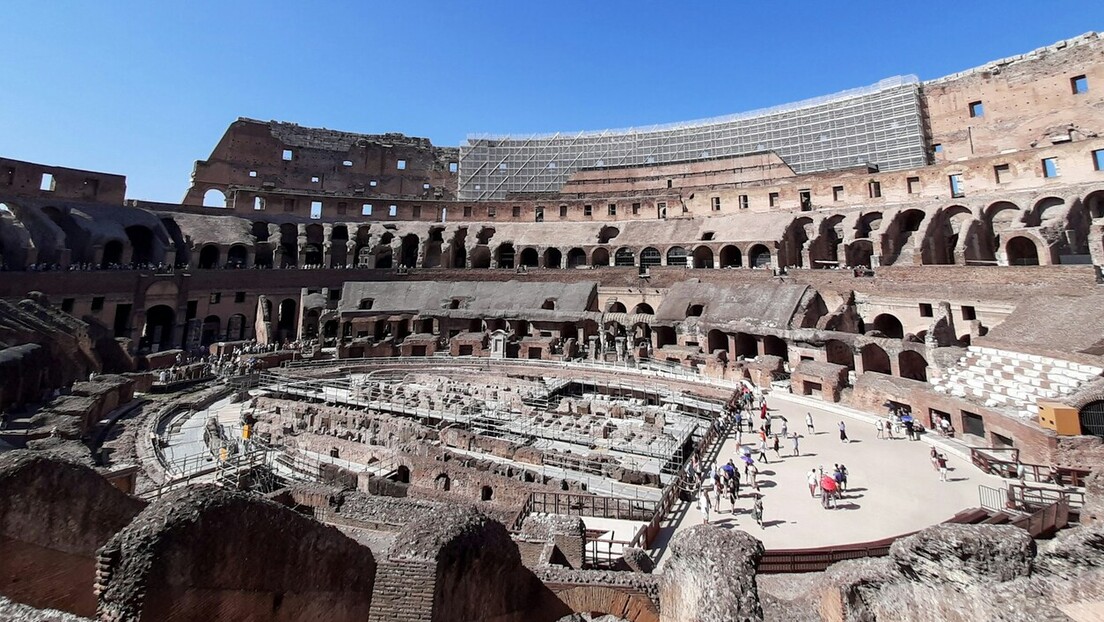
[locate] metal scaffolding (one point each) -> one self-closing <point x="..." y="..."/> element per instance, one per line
<point x="875" y="125"/>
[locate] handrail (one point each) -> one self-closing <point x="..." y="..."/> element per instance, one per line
<point x="1008" y="469"/>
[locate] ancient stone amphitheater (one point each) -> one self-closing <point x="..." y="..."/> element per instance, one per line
<point x="363" y="377"/>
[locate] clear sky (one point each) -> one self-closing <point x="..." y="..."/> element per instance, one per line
<point x="146" y="88"/>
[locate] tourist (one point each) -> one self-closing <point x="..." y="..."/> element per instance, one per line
<point x="935" y="459"/>
<point x="908" y="427"/>
<point x="827" y="491"/>
<point x="796" y="448"/>
<point x="763" y="409"/>
<point x="753" y="478"/>
<point x="843" y="433"/>
<point x="942" y="467"/>
<point x="748" y="462"/>
<point x="777" y="448"/>
<point x="1021" y="472"/>
<point x="703" y="503"/>
<point x="879" y="425"/>
<point x="842" y="477"/>
<point x="784" y="432"/>
<point x="809" y="423"/>
<point x="757" y="510"/>
<point x="763" y="452"/>
<point x="813" y="479"/>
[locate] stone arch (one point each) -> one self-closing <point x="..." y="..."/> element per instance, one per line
<point x="504" y="255"/>
<point x="113" y="253"/>
<point x="717" y="340"/>
<point x="900" y="237"/>
<point x="402" y="474"/>
<point x="643" y="308"/>
<point x="730" y="256"/>
<point x="237" y="256"/>
<point x="889" y="325"/>
<point x="1094" y="203"/>
<point x="664" y="336"/>
<point x="1091" y="417"/>
<point x="600" y="257"/>
<point x="214" y="197"/>
<point x="1046" y="208"/>
<point x="157" y="334"/>
<point x="868" y="223"/>
<point x="1003" y="215"/>
<point x="776" y="346"/>
<point x="529" y="258"/>
<point x="599" y="600"/>
<point x="912" y="365"/>
<point x="480" y="257"/>
<point x="860" y="253"/>
<point x="624" y="257"/>
<point x="312" y="255"/>
<point x="703" y="257"/>
<point x="141" y="244"/>
<point x="286" y="323"/>
<point x="384" y="256"/>
<point x="950" y="228"/>
<point x="211" y="331"/>
<point x="616" y="307"/>
<point x="209" y="257"/>
<point x="746" y="346"/>
<point x="408" y="250"/>
<point x="824" y="251"/>
<point x="1021" y="251"/>
<point x="840" y="353"/>
<point x="650" y="257"/>
<point x="576" y="257"/>
<point x="797" y="235"/>
<point x="553" y="258"/>
<point x="875" y="359"/>
<point x="759" y="256"/>
<point x="676" y="256"/>
<point x="432" y="248"/>
<point x="289" y="244"/>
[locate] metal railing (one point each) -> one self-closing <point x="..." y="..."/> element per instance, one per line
<point x="1004" y="462"/>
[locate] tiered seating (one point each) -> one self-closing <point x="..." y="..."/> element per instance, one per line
<point x="1011" y="380"/>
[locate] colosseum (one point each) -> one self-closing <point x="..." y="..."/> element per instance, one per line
<point x="589" y="375"/>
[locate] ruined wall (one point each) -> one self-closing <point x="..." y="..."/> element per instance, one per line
<point x="710" y="575"/>
<point x="26" y="179"/>
<point x="205" y="552"/>
<point x="54" y="515"/>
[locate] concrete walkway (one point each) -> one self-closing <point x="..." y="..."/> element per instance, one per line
<point x="892" y="486"/>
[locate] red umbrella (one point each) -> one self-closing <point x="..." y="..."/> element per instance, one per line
<point x="828" y="484"/>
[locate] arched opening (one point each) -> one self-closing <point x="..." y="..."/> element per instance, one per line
<point x="1091" y="416"/>
<point x="329" y="332"/>
<point x="237" y="256"/>
<point x="607" y="233"/>
<point x="600" y="257"/>
<point x="432" y="248"/>
<point x="868" y="224"/>
<point x="643" y="308"/>
<point x="212" y="326"/>
<point x="624" y="258"/>
<point x="676" y="256"/>
<point x="1049" y="208"/>
<point x="824" y="252"/>
<point x="113" y="253"/>
<point x="859" y="253"/>
<point x="158" y="332"/>
<point x="183" y="252"/>
<point x="1021" y="251"/>
<point x="286" y="324"/>
<point x="442" y="482"/>
<point x="486" y="493"/>
<point x="747" y="346"/>
<point x="481" y="257"/>
<point x="141" y="244"/>
<point x="460" y="248"/>
<point x="776" y="346"/>
<point x="402" y="474"/>
<point x="505" y="255"/>
<point x="616" y="307"/>
<point x="953" y="226"/>
<point x="717" y="340"/>
<point x="263" y="249"/>
<point x="209" y="257"/>
<point x="553" y="258"/>
<point x="214" y="198"/>
<point x="409" y="250"/>
<point x="664" y="336"/>
<point x="695" y="310"/>
<point x="289" y="245"/>
<point x="530" y="258"/>
<point x="703" y="257"/>
<point x="576" y="257"/>
<point x="875" y="359"/>
<point x="310" y="324"/>
<point x="839" y="353"/>
<point x="730" y="257"/>
<point x="1094" y="203"/>
<point x="339" y="248"/>
<point x="384" y="256"/>
<point x="235" y="327"/>
<point x="795" y="238"/>
<point x="889" y="326"/>
<point x="759" y="256"/>
<point x="913" y="366"/>
<point x="650" y="257"/>
<point x="312" y="255"/>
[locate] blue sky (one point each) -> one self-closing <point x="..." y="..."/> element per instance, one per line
<point x="146" y="88"/>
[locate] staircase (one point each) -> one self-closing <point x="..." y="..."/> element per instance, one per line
<point x="1012" y="381"/>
